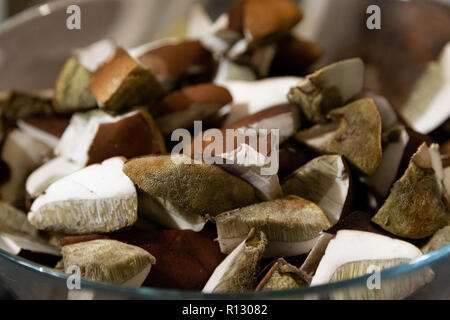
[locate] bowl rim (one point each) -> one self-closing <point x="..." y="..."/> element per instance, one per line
<point x="403" y="269"/>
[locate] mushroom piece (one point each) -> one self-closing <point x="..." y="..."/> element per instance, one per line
<point x="328" y="88"/>
<point x="121" y="82"/>
<point x="72" y="88"/>
<point x="253" y="96"/>
<point x="309" y="266"/>
<point x="17" y="234"/>
<point x="430" y="96"/>
<point x="418" y="204"/>
<point x="228" y="70"/>
<point x="45" y="129"/>
<point x="219" y="38"/>
<point x="354" y="132"/>
<point x="98" y="198"/>
<point x="291" y="225"/>
<point x="440" y="239"/>
<point x="95" y="136"/>
<point x="21" y="154"/>
<point x="178" y="193"/>
<point x="181" y="108"/>
<point x="369" y="252"/>
<point x="15" y="105"/>
<point x="94" y="55"/>
<point x="41" y="178"/>
<point x="395" y="142"/>
<point x="325" y="181"/>
<point x="244" y="153"/>
<point x="263" y="20"/>
<point x="284" y="117"/>
<point x="72" y="92"/>
<point x="283" y="276"/>
<point x="239" y="271"/>
<point x="197" y="252"/>
<point x="163" y="59"/>
<point x="109" y="261"/>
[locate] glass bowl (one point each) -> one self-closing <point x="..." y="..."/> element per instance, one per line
<point x="33" y="48"/>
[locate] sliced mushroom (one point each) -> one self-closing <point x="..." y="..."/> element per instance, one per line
<point x="253" y="96"/>
<point x="309" y="266"/>
<point x="325" y="181"/>
<point x="228" y="70"/>
<point x="94" y="55"/>
<point x="15" y="105"/>
<point x="354" y="132"/>
<point x="283" y="276"/>
<point x="121" y="82"/>
<point x="263" y="20"/>
<point x="197" y="252"/>
<point x="328" y="88"/>
<point x="98" y="198"/>
<point x="46" y="129"/>
<point x="109" y="261"/>
<point x="72" y="92"/>
<point x="291" y="225"/>
<point x="395" y="142"/>
<point x="72" y="88"/>
<point x="365" y="246"/>
<point x="41" y="178"/>
<point x="95" y="136"/>
<point x="369" y="252"/>
<point x="181" y="194"/>
<point x="284" y="117"/>
<point x="239" y="271"/>
<point x="244" y="153"/>
<point x="181" y="108"/>
<point x="17" y="234"/>
<point x="21" y="154"/>
<point x="418" y="204"/>
<point x="163" y="59"/>
<point x="430" y="96"/>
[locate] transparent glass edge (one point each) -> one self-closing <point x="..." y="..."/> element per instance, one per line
<point x="147" y="292"/>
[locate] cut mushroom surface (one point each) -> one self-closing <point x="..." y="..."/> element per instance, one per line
<point x="354" y="132"/>
<point x="121" y="82"/>
<point x="250" y="97"/>
<point x="95" y="136"/>
<point x="358" y="246"/>
<point x="181" y="194"/>
<point x="109" y="261"/>
<point x="325" y="181"/>
<point x="291" y="225"/>
<point x="418" y="204"/>
<point x="328" y="88"/>
<point x="239" y="271"/>
<point x="98" y="198"/>
<point x="22" y="154"/>
<point x="41" y="178"/>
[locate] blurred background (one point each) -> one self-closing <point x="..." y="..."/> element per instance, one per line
<point x="35" y="43"/>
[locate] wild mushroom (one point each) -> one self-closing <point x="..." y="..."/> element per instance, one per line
<point x="98" y="198"/>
